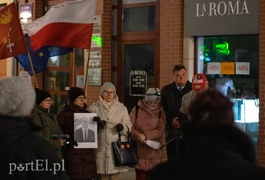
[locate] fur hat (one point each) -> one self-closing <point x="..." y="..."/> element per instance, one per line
<point x="41" y="95"/>
<point x="107" y="85"/>
<point x="198" y="81"/>
<point x="153" y="95"/>
<point x="17" y="97"/>
<point x="74" y="92"/>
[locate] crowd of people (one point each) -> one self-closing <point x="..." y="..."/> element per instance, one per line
<point x="190" y="121"/>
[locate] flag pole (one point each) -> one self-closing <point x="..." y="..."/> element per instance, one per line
<point x="86" y="72"/>
<point x="32" y="69"/>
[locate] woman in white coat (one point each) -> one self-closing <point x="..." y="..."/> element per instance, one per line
<point x="117" y="119"/>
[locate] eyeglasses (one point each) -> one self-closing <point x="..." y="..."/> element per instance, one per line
<point x="81" y="98"/>
<point x="48" y="100"/>
<point x="109" y="92"/>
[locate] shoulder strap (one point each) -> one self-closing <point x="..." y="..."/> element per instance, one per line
<point x="136" y="111"/>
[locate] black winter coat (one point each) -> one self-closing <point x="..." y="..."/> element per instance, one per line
<point x="79" y="163"/>
<point x="25" y="155"/>
<point x="171" y="99"/>
<point x="213" y="152"/>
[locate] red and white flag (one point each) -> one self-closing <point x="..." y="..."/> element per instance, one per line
<point x="69" y="24"/>
<point x="12" y="41"/>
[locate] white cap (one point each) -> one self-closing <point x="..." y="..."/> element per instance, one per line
<point x="153" y="95"/>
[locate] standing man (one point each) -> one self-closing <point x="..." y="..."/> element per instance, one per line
<point x="171" y="97"/>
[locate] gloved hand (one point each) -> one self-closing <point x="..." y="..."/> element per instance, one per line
<point x="101" y="123"/>
<point x="119" y="127"/>
<point x="96" y="119"/>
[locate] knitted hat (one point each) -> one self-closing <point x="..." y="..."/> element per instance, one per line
<point x="41" y="95"/>
<point x="17" y="97"/>
<point x="153" y="95"/>
<point x="74" y="92"/>
<point x="107" y="85"/>
<point x="198" y="81"/>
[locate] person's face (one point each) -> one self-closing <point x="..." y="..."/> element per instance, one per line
<point x="84" y="124"/>
<point x="80" y="101"/>
<point x="108" y="95"/>
<point x="46" y="103"/>
<point x="180" y="77"/>
<point x="153" y="104"/>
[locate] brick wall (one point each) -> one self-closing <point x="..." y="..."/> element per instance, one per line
<point x="261" y="143"/>
<point x="171" y="38"/>
<point x="104" y="8"/>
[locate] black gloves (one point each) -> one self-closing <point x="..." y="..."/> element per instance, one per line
<point x="101" y="123"/>
<point x="96" y="119"/>
<point x="119" y="127"/>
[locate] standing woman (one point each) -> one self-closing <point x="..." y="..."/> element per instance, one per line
<point x="117" y="120"/>
<point x="43" y="118"/>
<point x="80" y="164"/>
<point x="149" y="121"/>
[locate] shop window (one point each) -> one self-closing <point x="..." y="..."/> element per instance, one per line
<point x="57" y="81"/>
<point x="79" y="57"/>
<point x="59" y="61"/>
<point x="139" y="19"/>
<point x="231" y="64"/>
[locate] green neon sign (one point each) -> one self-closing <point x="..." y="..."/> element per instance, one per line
<point x="97" y="40"/>
<point x="223" y="48"/>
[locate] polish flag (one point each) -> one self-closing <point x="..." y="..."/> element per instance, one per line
<point x="69" y="24"/>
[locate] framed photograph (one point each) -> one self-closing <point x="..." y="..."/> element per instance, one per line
<point x="85" y="130"/>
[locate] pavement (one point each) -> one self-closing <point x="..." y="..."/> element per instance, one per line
<point x="130" y="175"/>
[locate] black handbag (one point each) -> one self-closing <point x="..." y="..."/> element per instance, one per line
<point x="125" y="153"/>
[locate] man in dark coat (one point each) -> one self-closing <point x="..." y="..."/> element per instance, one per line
<point x="171" y="97"/>
<point x="214" y="147"/>
<point x="24" y="154"/>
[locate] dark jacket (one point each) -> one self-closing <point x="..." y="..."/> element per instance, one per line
<point x="213" y="151"/>
<point x="171" y="99"/>
<point x="79" y="163"/>
<point x="49" y="126"/>
<point x="21" y="146"/>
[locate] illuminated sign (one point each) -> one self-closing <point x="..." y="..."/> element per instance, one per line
<point x="223" y="48"/>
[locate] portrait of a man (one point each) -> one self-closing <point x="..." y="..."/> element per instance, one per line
<point x="85" y="133"/>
